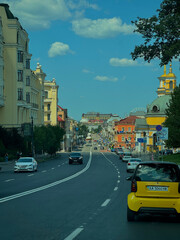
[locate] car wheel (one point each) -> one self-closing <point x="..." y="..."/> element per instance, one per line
<point x="178" y="217"/>
<point x="130" y="215"/>
<point x="70" y="162"/>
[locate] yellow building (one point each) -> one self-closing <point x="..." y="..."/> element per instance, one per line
<point x="20" y="89"/>
<point x="156" y="111"/>
<point x="50" y="102"/>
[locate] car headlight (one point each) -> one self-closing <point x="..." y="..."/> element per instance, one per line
<point x="30" y="166"/>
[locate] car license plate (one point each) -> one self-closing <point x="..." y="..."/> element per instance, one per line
<point x="157" y="188"/>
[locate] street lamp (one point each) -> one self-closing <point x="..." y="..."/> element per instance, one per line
<point x="32" y="136"/>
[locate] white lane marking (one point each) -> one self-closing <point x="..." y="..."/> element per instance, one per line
<point x="118" y="181"/>
<point x="9" y="180"/>
<point x="59" y="165"/>
<point x="44" y="171"/>
<point x="30" y="175"/>
<point x="22" y="194"/>
<point x="74" y="233"/>
<point x="106" y="203"/>
<point x="52" y="168"/>
<point x="116" y="188"/>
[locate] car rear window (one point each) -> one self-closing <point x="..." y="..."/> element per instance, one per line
<point x="75" y="154"/>
<point x="157" y="173"/>
<point x="135" y="160"/>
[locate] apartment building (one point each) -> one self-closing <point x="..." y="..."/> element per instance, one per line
<point x="50" y="102"/>
<point x="21" y="89"/>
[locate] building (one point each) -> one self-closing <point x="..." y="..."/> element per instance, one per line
<point x="50" y="102"/>
<point x="62" y="116"/>
<point x="21" y="92"/>
<point x="125" y="132"/>
<point x="156" y="111"/>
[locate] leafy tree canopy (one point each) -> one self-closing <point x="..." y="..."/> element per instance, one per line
<point x="173" y="119"/>
<point x="161" y="34"/>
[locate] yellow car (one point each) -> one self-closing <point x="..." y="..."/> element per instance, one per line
<point x="155" y="189"/>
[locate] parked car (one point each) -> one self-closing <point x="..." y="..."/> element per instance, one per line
<point x="121" y="154"/>
<point x="95" y="148"/>
<point x="126" y="156"/>
<point x="155" y="189"/>
<point x="75" y="157"/>
<point x="28" y="164"/>
<point x="132" y="164"/>
<point x="118" y="150"/>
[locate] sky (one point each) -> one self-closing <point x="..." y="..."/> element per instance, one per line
<point x="86" y="46"/>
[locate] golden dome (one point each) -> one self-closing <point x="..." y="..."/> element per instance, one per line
<point x="164" y="75"/>
<point x="170" y="74"/>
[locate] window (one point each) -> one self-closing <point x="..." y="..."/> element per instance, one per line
<point x="122" y="129"/>
<point x="20" y="56"/>
<point x="129" y="138"/>
<point x="123" y="139"/>
<point x="20" y="94"/>
<point x="20" y="75"/>
<point x="48" y="117"/>
<point x="129" y="129"/>
<point x="155" y="108"/>
<point x="46" y="94"/>
<point x="28" y="97"/>
<point x="28" y="81"/>
<point x="27" y="63"/>
<point x="48" y="107"/>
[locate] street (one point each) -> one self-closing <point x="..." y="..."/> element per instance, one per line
<point x="84" y="202"/>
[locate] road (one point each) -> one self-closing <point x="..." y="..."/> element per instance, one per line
<point x="82" y="202"/>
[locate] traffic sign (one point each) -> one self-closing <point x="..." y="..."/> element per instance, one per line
<point x="163" y="134"/>
<point x="158" y="127"/>
<point x="141" y="140"/>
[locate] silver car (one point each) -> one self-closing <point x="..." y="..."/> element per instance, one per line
<point x="126" y="156"/>
<point x="28" y="164"/>
<point x="132" y="163"/>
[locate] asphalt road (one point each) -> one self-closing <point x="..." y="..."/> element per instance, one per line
<point x="82" y="202"/>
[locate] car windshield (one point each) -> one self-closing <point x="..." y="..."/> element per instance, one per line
<point x="127" y="154"/>
<point x="25" y="160"/>
<point x="75" y="155"/>
<point x="157" y="173"/>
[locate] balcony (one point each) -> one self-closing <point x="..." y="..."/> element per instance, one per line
<point x="35" y="105"/>
<point x="47" y="100"/>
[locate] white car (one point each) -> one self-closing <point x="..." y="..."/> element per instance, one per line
<point x="28" y="164"/>
<point x="126" y="156"/>
<point x="132" y="163"/>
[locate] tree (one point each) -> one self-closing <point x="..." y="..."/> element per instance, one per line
<point x="161" y="34"/>
<point x="173" y="119"/>
<point x="83" y="130"/>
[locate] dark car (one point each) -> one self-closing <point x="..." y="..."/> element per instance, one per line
<point x="75" y="158"/>
<point x="95" y="148"/>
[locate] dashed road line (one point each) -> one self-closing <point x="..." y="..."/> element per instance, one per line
<point x="52" y="168"/>
<point x="74" y="233"/>
<point x="9" y="180"/>
<point x="116" y="188"/>
<point x="44" y="171"/>
<point x="30" y="175"/>
<point x="106" y="203"/>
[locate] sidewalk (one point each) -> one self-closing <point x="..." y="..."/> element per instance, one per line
<point x="7" y="166"/>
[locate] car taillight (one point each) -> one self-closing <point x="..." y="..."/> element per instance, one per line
<point x="129" y="164"/>
<point x="134" y="186"/>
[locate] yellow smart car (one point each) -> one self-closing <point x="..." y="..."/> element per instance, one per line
<point x="155" y="189"/>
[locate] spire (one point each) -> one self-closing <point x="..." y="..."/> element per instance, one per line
<point x="164" y="69"/>
<point x="170" y="69"/>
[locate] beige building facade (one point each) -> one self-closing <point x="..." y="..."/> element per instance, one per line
<point x="21" y="89"/>
<point x="51" y="102"/>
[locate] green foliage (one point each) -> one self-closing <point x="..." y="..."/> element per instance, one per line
<point x="173" y="119"/>
<point x="83" y="130"/>
<point x="98" y="130"/>
<point x="47" y="138"/>
<point x="161" y="34"/>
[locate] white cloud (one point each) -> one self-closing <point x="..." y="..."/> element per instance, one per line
<point x="101" y="28"/>
<point x="78" y="4"/>
<point x="106" y="79"/>
<point x="59" y="49"/>
<point x="124" y="62"/>
<point x="39" y="14"/>
<point x="86" y="71"/>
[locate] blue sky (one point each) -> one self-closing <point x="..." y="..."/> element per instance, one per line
<point x="86" y="45"/>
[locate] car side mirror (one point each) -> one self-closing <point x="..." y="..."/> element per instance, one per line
<point x="129" y="178"/>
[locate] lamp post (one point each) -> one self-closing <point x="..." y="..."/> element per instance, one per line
<point x="32" y="135"/>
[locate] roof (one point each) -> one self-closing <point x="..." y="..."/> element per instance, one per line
<point x="159" y="105"/>
<point x="129" y="120"/>
<point x="60" y="119"/>
<point x="60" y="107"/>
<point x="8" y="12"/>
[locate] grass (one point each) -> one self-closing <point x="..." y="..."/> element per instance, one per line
<point x="171" y="158"/>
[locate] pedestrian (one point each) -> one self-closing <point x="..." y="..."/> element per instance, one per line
<point x="6" y="157"/>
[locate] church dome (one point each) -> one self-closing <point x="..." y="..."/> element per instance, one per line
<point x="159" y="105"/>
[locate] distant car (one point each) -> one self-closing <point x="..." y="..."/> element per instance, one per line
<point x="95" y="148"/>
<point x="155" y="189"/>
<point x="28" y="164"/>
<point x="75" y="158"/>
<point x="126" y="156"/>
<point x="132" y="164"/>
<point x="121" y="154"/>
<point x="118" y="150"/>
<point x="101" y="147"/>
